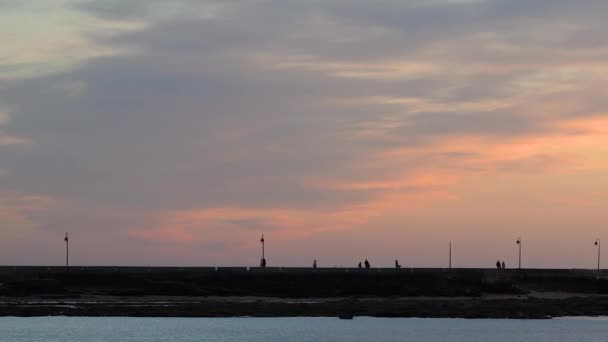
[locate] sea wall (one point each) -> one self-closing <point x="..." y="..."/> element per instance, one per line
<point x="293" y="282"/>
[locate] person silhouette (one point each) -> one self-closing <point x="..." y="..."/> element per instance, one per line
<point x="360" y="264"/>
<point x="503" y="265"/>
<point x="367" y="265"/>
<point x="263" y="263"/>
<point x="498" y="264"/>
<point x="397" y="264"/>
<point x="314" y="264"/>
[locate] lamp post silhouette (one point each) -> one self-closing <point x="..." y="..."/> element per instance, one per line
<point x="67" y="250"/>
<point x="263" y="261"/>
<point x="599" y="249"/>
<point x="519" y="245"/>
<point x="450" y="255"/>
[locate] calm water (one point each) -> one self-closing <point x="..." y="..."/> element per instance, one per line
<point x="299" y="329"/>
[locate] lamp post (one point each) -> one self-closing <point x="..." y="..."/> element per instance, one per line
<point x="263" y="261"/>
<point x="67" y="250"/>
<point x="450" y="254"/>
<point x="519" y="245"/>
<point x="599" y="249"/>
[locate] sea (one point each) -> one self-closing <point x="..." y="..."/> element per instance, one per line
<point x="93" y="329"/>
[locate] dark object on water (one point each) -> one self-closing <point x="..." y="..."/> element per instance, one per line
<point x="347" y="316"/>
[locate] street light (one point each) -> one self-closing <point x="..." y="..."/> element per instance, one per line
<point x="519" y="245"/>
<point x="67" y="250"/>
<point x="599" y="248"/>
<point x="450" y="259"/>
<point x="263" y="261"/>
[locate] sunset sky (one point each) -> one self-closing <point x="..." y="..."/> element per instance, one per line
<point x="176" y="132"/>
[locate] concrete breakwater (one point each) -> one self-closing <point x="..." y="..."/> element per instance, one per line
<point x="194" y="291"/>
<point x="294" y="282"/>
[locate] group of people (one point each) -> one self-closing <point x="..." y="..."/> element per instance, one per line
<point x="499" y="264"/>
<point x="368" y="265"/>
<point x="365" y="263"/>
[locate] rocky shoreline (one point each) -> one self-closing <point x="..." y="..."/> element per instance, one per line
<point x="515" y="307"/>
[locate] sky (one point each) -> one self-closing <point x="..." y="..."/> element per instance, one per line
<point x="177" y="132"/>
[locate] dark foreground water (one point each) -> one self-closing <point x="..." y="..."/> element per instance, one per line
<point x="299" y="329"/>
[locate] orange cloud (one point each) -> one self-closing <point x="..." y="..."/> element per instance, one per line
<point x="569" y="146"/>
